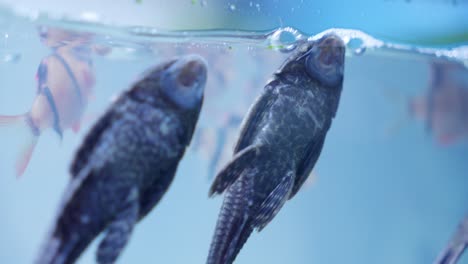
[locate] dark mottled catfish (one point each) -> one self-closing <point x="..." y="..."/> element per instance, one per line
<point x="128" y="161"/>
<point x="459" y="243"/>
<point x="280" y="142"/>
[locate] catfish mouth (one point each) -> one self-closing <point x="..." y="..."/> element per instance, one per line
<point x="333" y="50"/>
<point x="191" y="73"/>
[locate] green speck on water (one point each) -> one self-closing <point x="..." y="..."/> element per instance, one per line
<point x="138" y="1"/>
<point x="272" y="47"/>
<point x="194" y="2"/>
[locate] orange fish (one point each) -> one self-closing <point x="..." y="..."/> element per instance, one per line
<point x="444" y="108"/>
<point x="65" y="80"/>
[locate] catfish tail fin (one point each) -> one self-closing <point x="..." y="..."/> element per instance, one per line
<point x="234" y="226"/>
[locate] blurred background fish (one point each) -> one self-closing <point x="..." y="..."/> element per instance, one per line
<point x="443" y="107"/>
<point x="65" y="81"/>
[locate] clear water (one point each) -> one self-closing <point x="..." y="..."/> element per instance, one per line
<point x="390" y="185"/>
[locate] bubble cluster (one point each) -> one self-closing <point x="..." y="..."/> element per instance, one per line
<point x="285" y="39"/>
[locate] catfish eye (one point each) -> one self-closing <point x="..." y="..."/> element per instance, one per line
<point x="325" y="61"/>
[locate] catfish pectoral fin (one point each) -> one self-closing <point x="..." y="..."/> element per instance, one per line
<point x="234" y="169"/>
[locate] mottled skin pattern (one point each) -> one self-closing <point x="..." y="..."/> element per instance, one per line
<point x="128" y="161"/>
<point x="457" y="245"/>
<point x="280" y="142"/>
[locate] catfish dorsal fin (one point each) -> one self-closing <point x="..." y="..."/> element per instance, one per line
<point x="234" y="169"/>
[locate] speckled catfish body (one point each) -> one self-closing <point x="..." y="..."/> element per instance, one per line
<point x="280" y="142"/>
<point x="128" y="161"/>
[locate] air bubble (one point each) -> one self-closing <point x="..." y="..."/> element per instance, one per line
<point x="356" y="45"/>
<point x="359" y="51"/>
<point x="10" y="57"/>
<point x="232" y="7"/>
<point x="285" y="39"/>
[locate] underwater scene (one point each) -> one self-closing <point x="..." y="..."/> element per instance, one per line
<point x="234" y="132"/>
